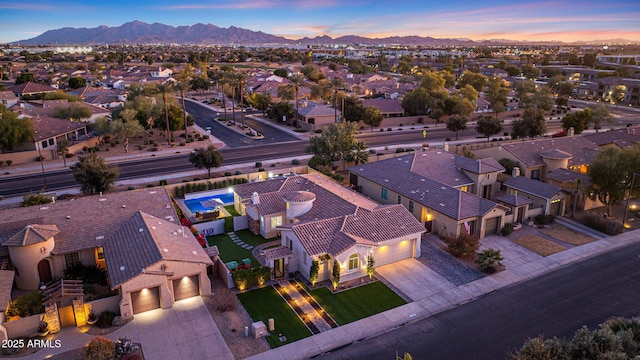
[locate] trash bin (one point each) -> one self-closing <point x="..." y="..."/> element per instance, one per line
<point x="232" y="265"/>
<point x="246" y="262"/>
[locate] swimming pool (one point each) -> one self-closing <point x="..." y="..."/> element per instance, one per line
<point x="208" y="203"/>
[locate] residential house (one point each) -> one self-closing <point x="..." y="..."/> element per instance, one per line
<point x="388" y="107"/>
<point x="161" y="73"/>
<point x="143" y="248"/>
<point x="317" y="219"/>
<point x="313" y="116"/>
<point x="622" y="138"/>
<point x="8" y="98"/>
<point x="546" y="199"/>
<point x="30" y="89"/>
<point x="577" y="187"/>
<point x="48" y="108"/>
<point x="439" y="188"/>
<point x="538" y="157"/>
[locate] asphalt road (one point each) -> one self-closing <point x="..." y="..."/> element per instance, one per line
<point x="492" y="327"/>
<point x="204" y="116"/>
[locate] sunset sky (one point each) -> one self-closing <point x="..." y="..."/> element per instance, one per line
<point x="513" y="19"/>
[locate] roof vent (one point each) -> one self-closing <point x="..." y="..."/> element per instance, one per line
<point x="443" y="188"/>
<point x="124" y="206"/>
<point x="441" y="204"/>
<point x="122" y="268"/>
<point x="141" y="230"/>
<point x="194" y="252"/>
<point x="100" y="237"/>
<point x="153" y="227"/>
<point x="102" y="199"/>
<point x="165" y="250"/>
<point x="422" y="180"/>
<point x="68" y="217"/>
<point x="44" y="208"/>
<point x="386" y="180"/>
<point x="153" y="192"/>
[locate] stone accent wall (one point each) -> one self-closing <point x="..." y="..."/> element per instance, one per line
<point x="254" y="226"/>
<point x="79" y="312"/>
<point x="51" y="317"/>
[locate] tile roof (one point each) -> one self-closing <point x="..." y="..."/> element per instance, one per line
<point x="386" y="106"/>
<point x="32" y="234"/>
<point x="528" y="152"/>
<point x="441" y="166"/>
<point x="316" y="110"/>
<point x="533" y="187"/>
<point x="86" y="222"/>
<point x="277" y="253"/>
<point x="142" y="241"/>
<point x="31" y="88"/>
<point x="625" y="137"/>
<point x="6" y="284"/>
<point x="48" y="127"/>
<point x="8" y="95"/>
<point x="481" y="166"/>
<point x="10" y="228"/>
<point x="396" y="174"/>
<point x="565" y="175"/>
<point x="514" y="200"/>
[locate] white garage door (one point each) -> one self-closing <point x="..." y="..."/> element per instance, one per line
<point x="391" y="253"/>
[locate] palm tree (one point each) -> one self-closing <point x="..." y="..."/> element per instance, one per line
<point x="233" y="81"/>
<point x="183" y="86"/>
<point x="297" y="81"/>
<point x="335" y="84"/>
<point x="164" y="89"/>
<point x="241" y="78"/>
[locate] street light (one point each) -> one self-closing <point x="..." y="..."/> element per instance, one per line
<point x="626" y="207"/>
<point x="35" y="142"/>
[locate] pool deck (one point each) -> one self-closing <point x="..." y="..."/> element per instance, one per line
<point x="191" y="216"/>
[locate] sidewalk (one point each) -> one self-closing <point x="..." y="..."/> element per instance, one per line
<point x="441" y="301"/>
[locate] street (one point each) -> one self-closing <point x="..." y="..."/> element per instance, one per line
<point x="493" y="326"/>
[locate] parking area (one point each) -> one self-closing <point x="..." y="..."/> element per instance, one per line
<point x="413" y="279"/>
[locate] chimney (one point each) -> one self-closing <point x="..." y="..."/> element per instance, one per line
<point x="570" y="131"/>
<point x="445" y="146"/>
<point x="515" y="172"/>
<point x="255" y="198"/>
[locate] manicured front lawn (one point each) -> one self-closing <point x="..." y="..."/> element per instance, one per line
<point x="357" y="303"/>
<point x="265" y="303"/>
<point x="232" y="210"/>
<point x="230" y="251"/>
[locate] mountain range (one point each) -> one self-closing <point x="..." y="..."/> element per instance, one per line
<point x="139" y="32"/>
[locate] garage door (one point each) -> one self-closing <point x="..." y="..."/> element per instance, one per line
<point x="145" y="300"/>
<point x="491" y="226"/>
<point x="188" y="286"/>
<point x="555" y="207"/>
<point x="392" y="253"/>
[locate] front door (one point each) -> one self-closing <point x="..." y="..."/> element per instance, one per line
<point x="44" y="271"/>
<point x="279" y="267"/>
<point x="520" y="214"/>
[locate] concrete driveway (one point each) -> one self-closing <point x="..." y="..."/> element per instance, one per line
<point x="186" y="331"/>
<point x="413" y="279"/>
<point x="514" y="254"/>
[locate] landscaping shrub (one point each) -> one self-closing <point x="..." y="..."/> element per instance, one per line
<point x="463" y="246"/>
<point x="489" y="259"/>
<point x="261" y="169"/>
<point x="262" y="274"/>
<point x="100" y="348"/>
<point x="227" y="173"/>
<point x="26" y="305"/>
<point x="9" y="162"/>
<point x="91" y="274"/>
<point x="32" y="199"/>
<point x="544" y="219"/>
<point x="601" y="224"/>
<point x="507" y="229"/>
<point x="295" y="162"/>
<point x="399" y="150"/>
<point x="243" y="279"/>
<point x="163" y="182"/>
<point x="238" y="172"/>
<point x="106" y="319"/>
<point x="258" y="164"/>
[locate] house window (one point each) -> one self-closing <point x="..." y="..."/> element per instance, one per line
<point x="385" y="194"/>
<point x="100" y="252"/>
<point x="275" y="222"/>
<point x="71" y="259"/>
<point x="262" y="222"/>
<point x="411" y="206"/>
<point x="43" y="144"/>
<point x="353" y="262"/>
<point x="399" y="199"/>
<point x="535" y="174"/>
<point x="304" y="257"/>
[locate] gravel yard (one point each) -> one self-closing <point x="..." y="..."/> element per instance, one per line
<point x="231" y="319"/>
<point x="447" y="266"/>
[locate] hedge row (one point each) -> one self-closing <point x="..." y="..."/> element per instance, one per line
<point x="190" y="188"/>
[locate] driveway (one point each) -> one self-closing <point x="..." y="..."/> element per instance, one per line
<point x="186" y="331"/>
<point x="514" y="254"/>
<point x="413" y="279"/>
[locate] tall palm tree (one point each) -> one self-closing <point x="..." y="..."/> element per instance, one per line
<point x="241" y="79"/>
<point x="164" y="89"/>
<point x="233" y="81"/>
<point x="183" y="86"/>
<point x="335" y="84"/>
<point x="297" y="81"/>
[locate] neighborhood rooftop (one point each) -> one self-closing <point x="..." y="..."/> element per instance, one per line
<point x="533" y="187"/>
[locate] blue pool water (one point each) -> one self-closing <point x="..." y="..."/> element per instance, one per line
<point x="208" y="203"/>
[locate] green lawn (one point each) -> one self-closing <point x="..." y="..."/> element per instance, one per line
<point x="265" y="303"/>
<point x="357" y="303"/>
<point x="230" y="251"/>
<point x="232" y="210"/>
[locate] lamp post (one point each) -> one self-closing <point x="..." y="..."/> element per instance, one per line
<point x="626" y="207"/>
<point x="35" y="142"/>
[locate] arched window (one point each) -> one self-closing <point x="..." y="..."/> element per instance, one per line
<point x="353" y="262"/>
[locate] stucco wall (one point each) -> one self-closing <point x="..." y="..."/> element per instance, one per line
<point x="26" y="259"/>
